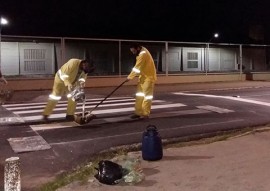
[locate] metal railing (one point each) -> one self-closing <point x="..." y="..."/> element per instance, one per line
<point x="113" y="58"/>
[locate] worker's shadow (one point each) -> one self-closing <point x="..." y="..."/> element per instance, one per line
<point x="88" y="127"/>
<point x="150" y="171"/>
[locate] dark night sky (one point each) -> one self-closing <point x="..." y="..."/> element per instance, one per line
<point x="176" y="20"/>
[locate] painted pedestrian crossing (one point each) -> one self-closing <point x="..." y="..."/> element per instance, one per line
<point x="114" y="109"/>
<point x="112" y="106"/>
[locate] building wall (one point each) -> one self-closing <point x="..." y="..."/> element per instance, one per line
<point x="10" y="61"/>
<point x="27" y="58"/>
<point x="32" y="58"/>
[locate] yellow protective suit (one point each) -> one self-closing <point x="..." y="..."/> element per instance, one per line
<point x="68" y="75"/>
<point x="146" y="70"/>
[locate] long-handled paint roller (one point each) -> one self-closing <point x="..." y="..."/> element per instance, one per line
<point x="86" y="117"/>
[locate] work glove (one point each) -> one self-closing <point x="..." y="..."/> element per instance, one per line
<point x="82" y="84"/>
<point x="3" y="80"/>
<point x="70" y="87"/>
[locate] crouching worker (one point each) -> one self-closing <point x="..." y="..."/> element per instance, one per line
<point x="70" y="75"/>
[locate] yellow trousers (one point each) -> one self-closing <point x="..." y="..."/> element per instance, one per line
<point x="144" y="97"/>
<point x="59" y="89"/>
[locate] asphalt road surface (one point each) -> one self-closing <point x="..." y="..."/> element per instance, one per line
<point x="175" y="113"/>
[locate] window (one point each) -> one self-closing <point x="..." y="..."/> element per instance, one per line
<point x="34" y="60"/>
<point x="192" y="60"/>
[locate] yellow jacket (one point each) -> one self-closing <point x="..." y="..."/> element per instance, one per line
<point x="70" y="72"/>
<point x="144" y="67"/>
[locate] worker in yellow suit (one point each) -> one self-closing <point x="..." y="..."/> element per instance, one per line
<point x="71" y="74"/>
<point x="146" y="70"/>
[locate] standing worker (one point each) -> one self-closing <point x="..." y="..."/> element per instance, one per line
<point x="146" y="70"/>
<point x="70" y="75"/>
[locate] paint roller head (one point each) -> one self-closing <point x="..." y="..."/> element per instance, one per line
<point x="80" y="119"/>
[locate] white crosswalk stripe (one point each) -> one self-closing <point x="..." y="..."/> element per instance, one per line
<point x="114" y="105"/>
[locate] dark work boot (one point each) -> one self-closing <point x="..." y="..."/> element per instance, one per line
<point x="70" y="117"/>
<point x="45" y="118"/>
<point x="135" y="116"/>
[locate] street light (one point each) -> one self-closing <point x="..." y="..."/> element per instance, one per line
<point x="3" y="22"/>
<point x="216" y="35"/>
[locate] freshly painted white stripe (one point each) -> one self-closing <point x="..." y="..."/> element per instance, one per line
<point x="59" y="102"/>
<point x="65" y="104"/>
<point x="226" y="97"/>
<point x="86" y="107"/>
<point x="105" y="111"/>
<point x="115" y="119"/>
<point x="139" y="133"/>
<point x="64" y="109"/>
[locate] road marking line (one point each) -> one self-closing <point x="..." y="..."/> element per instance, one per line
<point x="12" y="108"/>
<point x="63" y="102"/>
<point x="105" y="111"/>
<point x="226" y="97"/>
<point x="86" y="107"/>
<point x="60" y="125"/>
<point x="11" y="120"/>
<point x="215" y="109"/>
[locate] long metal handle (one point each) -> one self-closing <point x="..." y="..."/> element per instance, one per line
<point x="83" y="108"/>
<point x="108" y="95"/>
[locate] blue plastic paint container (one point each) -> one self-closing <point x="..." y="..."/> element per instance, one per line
<point x="151" y="144"/>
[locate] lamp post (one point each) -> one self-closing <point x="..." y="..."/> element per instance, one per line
<point x="216" y="35"/>
<point x="3" y="21"/>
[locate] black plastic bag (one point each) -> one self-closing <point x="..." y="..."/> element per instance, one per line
<point x="109" y="172"/>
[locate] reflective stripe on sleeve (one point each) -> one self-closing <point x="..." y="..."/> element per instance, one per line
<point x="142" y="52"/>
<point x="63" y="77"/>
<point x="136" y="70"/>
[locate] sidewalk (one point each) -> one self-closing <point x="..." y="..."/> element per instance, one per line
<point x="237" y="164"/>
